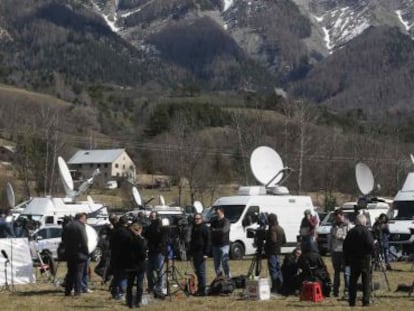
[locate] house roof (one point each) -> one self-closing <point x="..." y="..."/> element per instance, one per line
<point x="96" y="156"/>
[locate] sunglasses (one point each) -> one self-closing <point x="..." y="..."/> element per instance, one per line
<point x="197" y="218"/>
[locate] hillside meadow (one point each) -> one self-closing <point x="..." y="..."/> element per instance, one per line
<point x="46" y="296"/>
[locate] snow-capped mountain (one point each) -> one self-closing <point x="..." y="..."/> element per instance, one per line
<point x="308" y="47"/>
<point x="334" y="22"/>
<point x="342" y="20"/>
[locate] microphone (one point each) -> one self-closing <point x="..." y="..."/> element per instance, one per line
<point x="3" y="252"/>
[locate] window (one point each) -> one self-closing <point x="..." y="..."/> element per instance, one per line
<point x="49" y="220"/>
<point x="116" y="165"/>
<point x="80" y="165"/>
<point x="123" y="166"/>
<point x="117" y="174"/>
<point x="98" y="165"/>
<point x="90" y="165"/>
<point x="106" y="165"/>
<point x="55" y="233"/>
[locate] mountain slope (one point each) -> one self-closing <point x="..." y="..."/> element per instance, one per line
<point x="373" y="72"/>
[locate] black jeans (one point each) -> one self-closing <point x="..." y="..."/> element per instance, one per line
<point x="74" y="276"/>
<point x="131" y="276"/>
<point x="360" y="267"/>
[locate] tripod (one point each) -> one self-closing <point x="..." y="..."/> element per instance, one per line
<point x="172" y="275"/>
<point x="378" y="264"/>
<point x="6" y="286"/>
<point x="256" y="263"/>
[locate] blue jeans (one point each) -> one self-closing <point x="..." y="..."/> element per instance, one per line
<point x="275" y="272"/>
<point x="221" y="258"/>
<point x="119" y="282"/>
<point x="85" y="277"/>
<point x="200" y="270"/>
<point x="155" y="264"/>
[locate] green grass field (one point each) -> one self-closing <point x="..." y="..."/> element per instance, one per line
<point x="46" y="296"/>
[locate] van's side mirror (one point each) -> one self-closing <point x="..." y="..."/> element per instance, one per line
<point x="247" y="221"/>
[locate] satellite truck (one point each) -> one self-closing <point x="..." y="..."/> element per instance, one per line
<point x="51" y="210"/>
<point x="245" y="209"/>
<point x="372" y="207"/>
<point x="402" y="223"/>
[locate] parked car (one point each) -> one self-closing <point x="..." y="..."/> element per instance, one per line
<point x="47" y="237"/>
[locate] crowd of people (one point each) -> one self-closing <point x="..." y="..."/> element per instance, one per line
<point x="133" y="251"/>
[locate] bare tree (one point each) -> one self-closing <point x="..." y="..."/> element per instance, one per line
<point x="301" y="115"/>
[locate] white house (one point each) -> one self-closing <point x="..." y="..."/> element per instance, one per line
<point x="114" y="164"/>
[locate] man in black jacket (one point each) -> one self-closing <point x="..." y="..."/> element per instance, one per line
<point x="75" y="240"/>
<point x="275" y="238"/>
<point x="358" y="247"/>
<point x="157" y="238"/>
<point x="199" y="249"/>
<point x="119" y="243"/>
<point x="135" y="264"/>
<point x="220" y="241"/>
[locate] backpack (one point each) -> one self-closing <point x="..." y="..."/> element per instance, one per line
<point x="221" y="286"/>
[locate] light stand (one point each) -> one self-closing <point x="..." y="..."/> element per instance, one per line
<point x="6" y="286"/>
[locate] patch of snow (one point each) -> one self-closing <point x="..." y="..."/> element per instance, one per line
<point x="131" y="13"/>
<point x="227" y="4"/>
<point x="110" y="23"/>
<point x="318" y="18"/>
<point x="225" y="26"/>
<point x="327" y="39"/>
<point x="406" y="25"/>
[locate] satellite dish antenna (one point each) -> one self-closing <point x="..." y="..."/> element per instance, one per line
<point x="65" y="176"/>
<point x="162" y="200"/>
<point x="87" y="183"/>
<point x="198" y="206"/>
<point x="11" y="198"/>
<point x="266" y="165"/>
<point x="364" y="178"/>
<point x="412" y="158"/>
<point x="136" y="196"/>
<point x="92" y="238"/>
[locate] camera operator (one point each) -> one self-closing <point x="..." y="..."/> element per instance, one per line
<point x="275" y="238"/>
<point x="199" y="250"/>
<point x="157" y="237"/>
<point x="220" y="240"/>
<point x="358" y="247"/>
<point x="381" y="234"/>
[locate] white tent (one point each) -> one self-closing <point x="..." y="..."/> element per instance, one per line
<point x="15" y="262"/>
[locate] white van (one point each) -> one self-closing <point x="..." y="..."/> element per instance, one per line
<point x="243" y="212"/>
<point x="50" y="210"/>
<point x="403" y="216"/>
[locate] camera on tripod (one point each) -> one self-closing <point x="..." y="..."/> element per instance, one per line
<point x="178" y="237"/>
<point x="259" y="233"/>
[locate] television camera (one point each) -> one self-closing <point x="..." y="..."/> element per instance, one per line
<point x="259" y="233"/>
<point x="178" y="229"/>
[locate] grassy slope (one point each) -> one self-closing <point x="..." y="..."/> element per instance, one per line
<point x="19" y="94"/>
